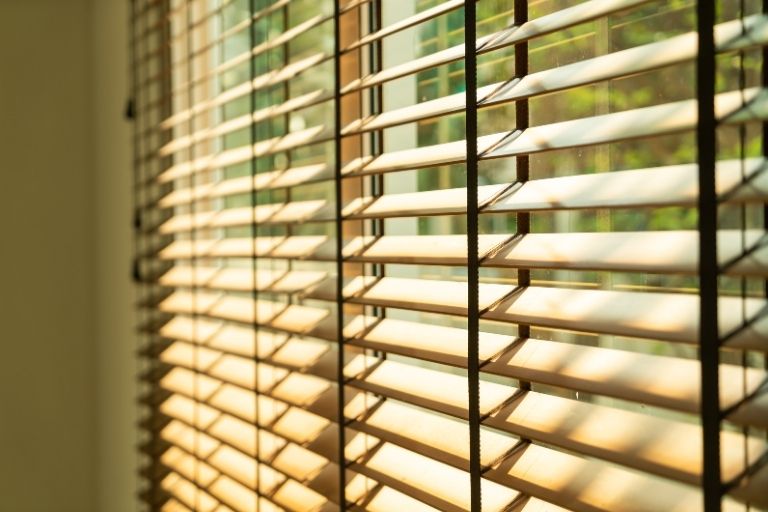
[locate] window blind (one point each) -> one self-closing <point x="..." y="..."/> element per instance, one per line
<point x="416" y="255"/>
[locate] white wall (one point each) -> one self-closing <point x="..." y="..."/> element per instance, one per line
<point x="66" y="350"/>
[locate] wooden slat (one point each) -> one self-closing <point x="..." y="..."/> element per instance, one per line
<point x="664" y="119"/>
<point x="664" y="186"/>
<point x="242" y="279"/>
<point x="402" y="476"/>
<point x="416" y="19"/>
<point x="663" y="438"/>
<point x="553" y="22"/>
<point x="669" y="382"/>
<point x="316" y="210"/>
<point x="242" y="467"/>
<point x="188" y="493"/>
<point x="663" y="316"/>
<point x="662" y="447"/>
<point x="271" y="180"/>
<point x="205" y="134"/>
<point x="287" y="142"/>
<point x="752" y="490"/>
<point x="268" y="79"/>
<point x="656" y="380"/>
<point x="591" y="486"/>
<point x="673" y="251"/>
<point x="730" y="36"/>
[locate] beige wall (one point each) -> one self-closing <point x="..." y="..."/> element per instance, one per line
<point x="66" y="367"/>
<point x="113" y="320"/>
<point x="47" y="370"/>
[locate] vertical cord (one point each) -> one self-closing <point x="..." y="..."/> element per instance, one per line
<point x="192" y="236"/>
<point x="473" y="278"/>
<point x="378" y="146"/>
<point x="288" y="197"/>
<point x="764" y="83"/>
<point x="375" y="106"/>
<point x="254" y="245"/>
<point x="190" y="157"/>
<point x="339" y="256"/>
<point x="376" y="138"/>
<point x="743" y="225"/>
<point x="522" y="162"/>
<point x="708" y="268"/>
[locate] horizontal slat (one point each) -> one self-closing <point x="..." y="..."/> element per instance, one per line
<point x="641" y="441"/>
<point x="664" y="119"/>
<point x="239" y="497"/>
<point x="591" y="486"/>
<point x="559" y="20"/>
<point x="439" y="391"/>
<point x="730" y="107"/>
<point x="271" y="180"/>
<point x="422" y="462"/>
<point x="229" y="338"/>
<point x="185" y="33"/>
<point x="674" y="251"/>
<point x="289" y="459"/>
<point x="405" y="457"/>
<point x="204" y="134"/>
<point x="442" y="488"/>
<point x="286" y="36"/>
<point x="730" y="36"/>
<point x="664" y="186"/>
<point x="242" y="154"/>
<point x="437" y="484"/>
<point x="663" y="438"/>
<point x="435" y="202"/>
<point x="298" y="247"/>
<point x="294" y="319"/>
<point x="662" y="447"/>
<point x="576" y="251"/>
<point x="410" y="21"/>
<point x="385" y="499"/>
<point x="193" y="441"/>
<point x="664" y="316"/>
<point x="268" y="79"/>
<point x="648" y="379"/>
<point x="174" y="506"/>
<point x="317" y="210"/>
<point x="188" y="493"/>
<point x="586" y="484"/>
<point x="413" y="428"/>
<point x="417" y="476"/>
<point x="641" y="434"/>
<point x="242" y="279"/>
<point x="188" y="466"/>
<point x="209" y="133"/>
<point x="753" y="489"/>
<point x="655" y="380"/>
<point x="753" y="411"/>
